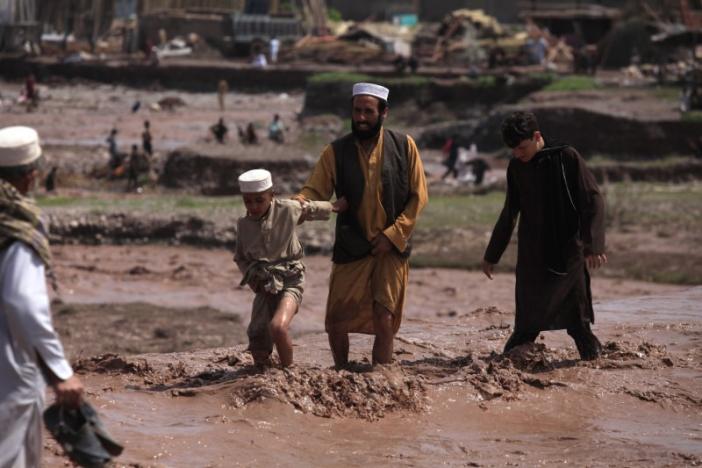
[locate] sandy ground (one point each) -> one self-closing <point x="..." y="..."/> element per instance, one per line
<point x="450" y="398"/>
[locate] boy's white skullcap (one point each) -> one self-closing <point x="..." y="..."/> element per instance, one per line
<point x="371" y="89"/>
<point x="18" y="146"/>
<point x="255" y="181"/>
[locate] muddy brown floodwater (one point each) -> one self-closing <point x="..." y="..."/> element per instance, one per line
<point x="158" y="336"/>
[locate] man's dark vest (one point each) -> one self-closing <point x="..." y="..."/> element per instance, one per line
<point x="351" y="243"/>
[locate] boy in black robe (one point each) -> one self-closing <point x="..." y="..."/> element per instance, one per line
<point x="561" y="236"/>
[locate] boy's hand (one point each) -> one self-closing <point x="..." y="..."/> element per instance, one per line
<point x="595" y="261"/>
<point x="487" y="268"/>
<point x="340" y="205"/>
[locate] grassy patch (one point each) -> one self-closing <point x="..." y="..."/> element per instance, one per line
<point x="453" y="232"/>
<point x="692" y="116"/>
<point x="462" y="211"/>
<point x="163" y="205"/>
<point x="343" y="77"/>
<point x="667" y="93"/>
<point x="332" y="77"/>
<point x="651" y="205"/>
<point x="486" y="81"/>
<point x="573" y="83"/>
<point x="652" y="228"/>
<point x="313" y="142"/>
<point x="665" y="161"/>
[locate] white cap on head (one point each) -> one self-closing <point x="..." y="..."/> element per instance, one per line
<point x="18" y="146"/>
<point x="371" y="89"/>
<point x="255" y="181"/>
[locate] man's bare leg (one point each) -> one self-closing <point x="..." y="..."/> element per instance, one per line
<point x="279" y="329"/>
<point x="383" y="344"/>
<point x="339" y="344"/>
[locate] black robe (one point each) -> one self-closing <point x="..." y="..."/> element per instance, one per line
<point x="561" y="220"/>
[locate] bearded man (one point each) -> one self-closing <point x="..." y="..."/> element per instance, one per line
<point x="380" y="174"/>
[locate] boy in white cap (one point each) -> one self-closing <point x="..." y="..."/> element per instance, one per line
<point x="30" y="350"/>
<point x="269" y="254"/>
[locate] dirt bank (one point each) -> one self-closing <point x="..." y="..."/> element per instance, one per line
<point x="415" y="97"/>
<point x="622" y="123"/>
<point x="183" y="74"/>
<point x="193" y="171"/>
<point x="122" y="228"/>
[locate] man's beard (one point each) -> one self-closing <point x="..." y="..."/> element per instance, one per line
<point x="370" y="132"/>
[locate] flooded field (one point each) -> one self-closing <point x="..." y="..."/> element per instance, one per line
<point x="449" y="395"/>
<point x="156" y="327"/>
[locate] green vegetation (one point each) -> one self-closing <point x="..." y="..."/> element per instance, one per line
<point x="462" y="211"/>
<point x="343" y="77"/>
<point x="486" y="81"/>
<point x="692" y="116"/>
<point x="144" y="204"/>
<point x="644" y="204"/>
<point x="573" y="83"/>
<point x="653" y="232"/>
<point x="544" y="75"/>
<point x="314" y="142"/>
<point x="332" y="77"/>
<point x="653" y="229"/>
<point x="649" y="205"/>
<point x="665" y="161"/>
<point x="334" y="15"/>
<point x="667" y="93"/>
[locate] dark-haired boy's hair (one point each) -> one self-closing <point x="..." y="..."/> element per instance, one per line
<point x="517" y="127"/>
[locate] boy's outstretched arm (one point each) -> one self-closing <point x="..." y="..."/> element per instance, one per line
<point x="314" y="210"/>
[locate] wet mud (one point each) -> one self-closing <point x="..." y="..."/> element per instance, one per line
<point x="449" y="396"/>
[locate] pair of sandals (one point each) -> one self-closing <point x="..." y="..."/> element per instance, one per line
<point x="81" y="434"/>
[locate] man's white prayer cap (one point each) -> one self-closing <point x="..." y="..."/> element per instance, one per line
<point x="371" y="89"/>
<point x="255" y="181"/>
<point x="18" y="146"/>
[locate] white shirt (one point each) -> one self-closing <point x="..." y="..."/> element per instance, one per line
<point x="25" y="328"/>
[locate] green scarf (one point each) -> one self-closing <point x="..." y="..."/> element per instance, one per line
<point x="19" y="220"/>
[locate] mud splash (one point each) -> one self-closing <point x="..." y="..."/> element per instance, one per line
<point x="362" y="391"/>
<point x="329" y="393"/>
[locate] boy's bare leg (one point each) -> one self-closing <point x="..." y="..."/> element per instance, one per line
<point x="383" y="344"/>
<point x="279" y="329"/>
<point x="339" y="344"/>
